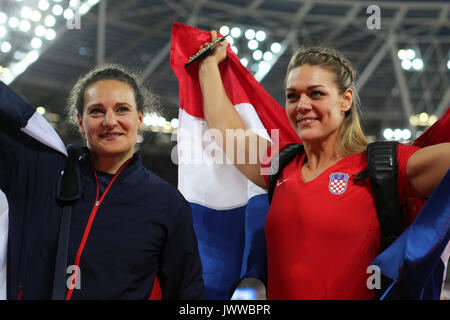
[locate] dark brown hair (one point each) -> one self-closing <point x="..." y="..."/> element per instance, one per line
<point x="145" y="101"/>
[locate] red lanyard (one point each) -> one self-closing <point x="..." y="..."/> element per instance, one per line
<point x="88" y="227"/>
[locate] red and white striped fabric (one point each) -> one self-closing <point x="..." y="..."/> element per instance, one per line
<point x="216" y="190"/>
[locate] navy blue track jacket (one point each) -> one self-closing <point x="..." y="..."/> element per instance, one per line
<point x="142" y="229"/>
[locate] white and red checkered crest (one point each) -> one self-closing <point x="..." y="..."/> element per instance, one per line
<point x="338" y="182"/>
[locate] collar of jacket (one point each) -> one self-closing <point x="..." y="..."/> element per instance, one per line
<point x="129" y="173"/>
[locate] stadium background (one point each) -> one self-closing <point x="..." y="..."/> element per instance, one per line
<point x="401" y="50"/>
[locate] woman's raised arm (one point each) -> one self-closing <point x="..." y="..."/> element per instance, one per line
<point x="220" y="114"/>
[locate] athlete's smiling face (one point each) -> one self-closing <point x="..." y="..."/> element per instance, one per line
<point x="314" y="105"/>
<point x="110" y="119"/>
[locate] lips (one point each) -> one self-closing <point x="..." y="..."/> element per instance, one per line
<point x="306" y="121"/>
<point x="110" y="135"/>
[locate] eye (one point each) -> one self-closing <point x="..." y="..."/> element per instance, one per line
<point x="95" y="111"/>
<point x="317" y="93"/>
<point x="123" y="109"/>
<point x="291" y="96"/>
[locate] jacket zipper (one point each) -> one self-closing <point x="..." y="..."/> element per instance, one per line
<point x="20" y="292"/>
<point x="89" y="225"/>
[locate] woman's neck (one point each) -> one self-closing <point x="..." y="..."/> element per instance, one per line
<point x="321" y="155"/>
<point x="109" y="164"/>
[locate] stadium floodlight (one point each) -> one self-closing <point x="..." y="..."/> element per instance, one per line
<point x="13" y="22"/>
<point x="267" y="56"/>
<point x="68" y="14"/>
<point x="36" y="16"/>
<point x="260" y="36"/>
<point x="406" y="64"/>
<point x="257" y="55"/>
<point x="39" y="31"/>
<point x="28" y="27"/>
<point x="50" y="21"/>
<point x="50" y="34"/>
<point x="388" y="134"/>
<point x="43" y="5"/>
<point x="36" y="43"/>
<point x="57" y="10"/>
<point x="398" y="133"/>
<point x="410" y="54"/>
<point x="3" y="17"/>
<point x="275" y="47"/>
<point x="417" y="64"/>
<point x="253" y="44"/>
<point x="74" y="3"/>
<point x="24" y="25"/>
<point x="235" y="32"/>
<point x="5" y="47"/>
<point x="249" y="34"/>
<point x="406" y="134"/>
<point x="224" y="30"/>
<point x="174" y="123"/>
<point x="410" y="59"/>
<point x="401" y="54"/>
<point x="26" y="12"/>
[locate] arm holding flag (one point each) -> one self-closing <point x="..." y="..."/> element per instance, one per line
<point x="220" y="114"/>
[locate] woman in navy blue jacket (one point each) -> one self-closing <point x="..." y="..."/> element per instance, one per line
<point x="127" y="227"/>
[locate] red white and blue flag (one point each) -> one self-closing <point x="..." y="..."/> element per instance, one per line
<point x="229" y="210"/>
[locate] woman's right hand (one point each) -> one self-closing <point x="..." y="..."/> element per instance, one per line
<point x="218" y="54"/>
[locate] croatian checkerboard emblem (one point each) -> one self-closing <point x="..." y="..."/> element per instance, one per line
<point x="338" y="182"/>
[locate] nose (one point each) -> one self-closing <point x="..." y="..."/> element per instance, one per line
<point x="109" y="120"/>
<point x="304" y="104"/>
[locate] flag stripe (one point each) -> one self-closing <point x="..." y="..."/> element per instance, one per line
<point x="199" y="157"/>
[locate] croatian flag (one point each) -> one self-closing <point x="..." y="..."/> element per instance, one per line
<point x="229" y="211"/>
<point x="416" y="262"/>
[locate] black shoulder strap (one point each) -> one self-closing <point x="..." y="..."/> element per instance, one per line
<point x="69" y="190"/>
<point x="279" y="162"/>
<point x="382" y="170"/>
